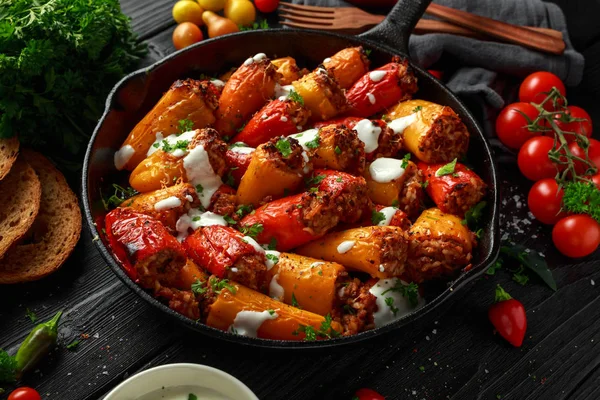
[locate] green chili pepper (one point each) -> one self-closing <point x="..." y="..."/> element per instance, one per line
<point x="37" y="344"/>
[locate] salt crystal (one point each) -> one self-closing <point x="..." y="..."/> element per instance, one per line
<point x="592" y="282"/>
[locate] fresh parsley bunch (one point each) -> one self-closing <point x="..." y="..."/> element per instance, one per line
<point x="58" y="61"/>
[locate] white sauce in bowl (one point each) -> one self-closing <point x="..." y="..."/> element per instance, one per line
<point x="385" y="314"/>
<point x="182" y="393"/>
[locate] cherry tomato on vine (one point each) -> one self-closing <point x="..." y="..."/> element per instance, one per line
<point x="186" y="34"/>
<point x="581" y="127"/>
<point x="593" y="154"/>
<point x="533" y="159"/>
<point x="511" y="124"/>
<point x="545" y="200"/>
<point x="596" y="180"/>
<point x="534" y="87"/>
<point x="266" y="6"/>
<point x="576" y="235"/>
<point x="368" y="394"/>
<point x="24" y="393"/>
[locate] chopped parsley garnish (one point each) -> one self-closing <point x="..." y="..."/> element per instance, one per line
<point x="294" y="301"/>
<point x="8" y="367"/>
<point x="185" y="125"/>
<point x="313" y="189"/>
<point x="229" y="220"/>
<point x="241" y="128"/>
<point x="582" y="198"/>
<point x="31" y="315"/>
<point x="313" y="144"/>
<point x="338" y="150"/>
<point x="218" y="285"/>
<point x="275" y="260"/>
<point x="377" y="217"/>
<point x="311" y="334"/>
<point x="338" y="179"/>
<point x="73" y="345"/>
<point x="446" y="169"/>
<point x="368" y="52"/>
<point x="253" y="230"/>
<point x="192" y="396"/>
<point x="395" y="203"/>
<point x="255" y="26"/>
<point x="405" y="160"/>
<point x="425" y="184"/>
<point x="196" y="218"/>
<point x="229" y="179"/>
<point x="349" y="310"/>
<point x="179" y="145"/>
<point x="199" y="188"/>
<point x="295" y="96"/>
<point x="198" y="287"/>
<point x="272" y="244"/>
<point x="238" y="144"/>
<point x="244" y="209"/>
<point x="320" y="272"/>
<point x="389" y="301"/>
<point x="531" y="261"/>
<point x="272" y="312"/>
<point x="120" y="195"/>
<point x="315" y="180"/>
<point x="417" y="109"/>
<point x="409" y="292"/>
<point x="473" y="216"/>
<point x="520" y="276"/>
<point x="284" y="147"/>
<point x="422" y="368"/>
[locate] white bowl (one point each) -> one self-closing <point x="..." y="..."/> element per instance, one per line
<point x="177" y="381"/>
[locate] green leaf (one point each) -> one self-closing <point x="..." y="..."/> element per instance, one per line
<point x="494" y="267"/>
<point x="582" y="198"/>
<point x="192" y="396"/>
<point x="73" y="345"/>
<point x="405" y="160"/>
<point x="446" y="169"/>
<point x="410" y="291"/>
<point x="284" y="147"/>
<point x="501" y="295"/>
<point x="295" y="96"/>
<point x="313" y="144"/>
<point x="377" y="217"/>
<point x="473" y="215"/>
<point x="31" y="315"/>
<point x="198" y="287"/>
<point x="8" y="367"/>
<point x="531" y="261"/>
<point x="294" y="301"/>
<point x="315" y="180"/>
<point x="185" y="125"/>
<point x="253" y="230"/>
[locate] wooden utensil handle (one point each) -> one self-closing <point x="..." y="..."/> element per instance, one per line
<point x="499" y="29"/>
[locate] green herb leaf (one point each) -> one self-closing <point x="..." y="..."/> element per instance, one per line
<point x="395" y="203"/>
<point x="315" y="180"/>
<point x="243" y="210"/>
<point x="185" y="125"/>
<point x="368" y="52"/>
<point x="31" y="315"/>
<point x="229" y="179"/>
<point x="274" y="259"/>
<point x="295" y="96"/>
<point x="8" y="367"/>
<point x="229" y="220"/>
<point x="284" y="147"/>
<point x="198" y="287"/>
<point x="410" y="291"/>
<point x="582" y="198"/>
<point x="446" y="169"/>
<point x="272" y="312"/>
<point x="417" y="109"/>
<point x="389" y="301"/>
<point x="337" y="150"/>
<point x="238" y="144"/>
<point x="199" y="188"/>
<point x="218" y="285"/>
<point x="73" y="345"/>
<point x="313" y="144"/>
<point x="520" y="277"/>
<point x="272" y="244"/>
<point x="294" y="301"/>
<point x="255" y="26"/>
<point x="405" y="160"/>
<point x="377" y="217"/>
<point x="531" y="261"/>
<point x="253" y="230"/>
<point x="425" y="184"/>
<point x="339" y="179"/>
<point x="192" y="396"/>
<point x="119" y="196"/>
<point x="494" y="267"/>
<point x="473" y="216"/>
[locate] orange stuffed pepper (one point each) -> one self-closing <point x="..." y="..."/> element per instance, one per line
<point x="347" y="65"/>
<point x="321" y="94"/>
<point x="288" y="69"/>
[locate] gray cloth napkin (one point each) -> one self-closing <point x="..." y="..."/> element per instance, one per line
<point x="482" y="61"/>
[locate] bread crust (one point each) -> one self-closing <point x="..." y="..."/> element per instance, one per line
<point x="9" y="150"/>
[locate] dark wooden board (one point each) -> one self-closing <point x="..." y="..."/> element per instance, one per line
<point x="460" y="355"/>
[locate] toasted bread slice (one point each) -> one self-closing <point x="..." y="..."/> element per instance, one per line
<point x="9" y="150"/>
<point x="20" y="194"/>
<point x="55" y="232"/>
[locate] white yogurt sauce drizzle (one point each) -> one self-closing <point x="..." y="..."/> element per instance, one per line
<point x="400" y="124"/>
<point x="276" y="291"/>
<point x="384" y="314"/>
<point x="247" y="323"/>
<point x="243" y="150"/>
<point x="199" y="171"/>
<point x="345" y="246"/>
<point x="195" y="219"/>
<point x="172" y="140"/>
<point x="384" y="170"/>
<point x="305" y="137"/>
<point x="167" y="204"/>
<point x="371" y="98"/>
<point x="376" y="76"/>
<point x="217" y="82"/>
<point x="388" y="212"/>
<point x="368" y="133"/>
<point x="254" y="244"/>
<point x="123" y="155"/>
<point x="326" y="60"/>
<point x="316" y="264"/>
<point x="283" y="91"/>
<point x="270" y="263"/>
<point x="189" y="198"/>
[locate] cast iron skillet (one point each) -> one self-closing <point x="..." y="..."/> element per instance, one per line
<point x="135" y="95"/>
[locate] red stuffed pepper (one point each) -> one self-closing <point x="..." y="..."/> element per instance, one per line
<point x="387" y="216"/>
<point x="227" y="253"/>
<point x="147" y="252"/>
<point x="454" y="192"/>
<point x="381" y="88"/>
<point x="378" y="138"/>
<point x="294" y="220"/>
<point x="238" y="159"/>
<point x="280" y="117"/>
<point x="348" y="192"/>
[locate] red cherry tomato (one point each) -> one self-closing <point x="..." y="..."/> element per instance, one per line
<point x="593" y="154"/>
<point x="596" y="180"/>
<point x="368" y="394"/>
<point x="533" y="159"/>
<point x="436" y="73"/>
<point x="186" y="34"/>
<point x="576" y="235"/>
<point x="545" y="200"/>
<point x="508" y="317"/>
<point x="511" y="124"/>
<point x="581" y="127"/>
<point x="266" y="6"/>
<point x="534" y="87"/>
<point x="24" y="393"/>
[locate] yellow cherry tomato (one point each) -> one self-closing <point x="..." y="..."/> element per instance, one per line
<point x="242" y="12"/>
<point x="187" y="11"/>
<point x="212" y="5"/>
<point x="186" y="34"/>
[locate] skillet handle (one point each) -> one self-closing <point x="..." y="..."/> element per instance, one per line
<point x="398" y="25"/>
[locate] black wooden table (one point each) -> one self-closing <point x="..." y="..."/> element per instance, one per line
<point x="453" y="354"/>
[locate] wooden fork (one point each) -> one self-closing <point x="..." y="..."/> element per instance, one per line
<point x="470" y="25"/>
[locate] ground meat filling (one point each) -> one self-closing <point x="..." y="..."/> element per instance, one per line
<point x="411" y="196"/>
<point x="446" y="140"/>
<point x="407" y="79"/>
<point x="250" y="270"/>
<point x="464" y="196"/>
<point x="351" y="201"/>
<point x="331" y="90"/>
<point x="160" y="269"/>
<point x="208" y="138"/>
<point x="183" y="302"/>
<point x="394" y="250"/>
<point x="389" y="143"/>
<point x="293" y="162"/>
<point x="348" y="148"/>
<point x="207" y="91"/>
<point x="319" y="212"/>
<point x="431" y="258"/>
<point x="358" y="306"/>
<point x="224" y="203"/>
<point x="296" y="112"/>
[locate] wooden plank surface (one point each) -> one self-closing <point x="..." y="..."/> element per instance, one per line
<point x="460" y="355"/>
